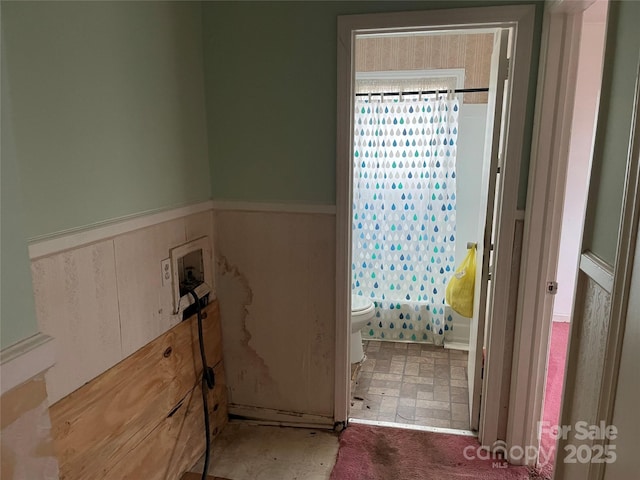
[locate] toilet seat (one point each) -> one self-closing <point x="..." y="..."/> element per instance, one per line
<point x="361" y="306"/>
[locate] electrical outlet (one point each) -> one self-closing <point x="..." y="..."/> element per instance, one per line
<point x="166" y="272"/>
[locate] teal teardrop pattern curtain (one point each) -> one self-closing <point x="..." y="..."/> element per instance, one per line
<point x="404" y="213"/>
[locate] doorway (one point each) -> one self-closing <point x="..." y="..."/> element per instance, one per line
<point x="420" y="121"/>
<point x="486" y="363"/>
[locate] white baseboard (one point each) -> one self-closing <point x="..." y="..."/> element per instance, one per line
<point x="267" y="416"/>
<point x="25" y="360"/>
<point x="562" y="317"/>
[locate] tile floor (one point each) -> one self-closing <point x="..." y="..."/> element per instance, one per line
<point x="411" y="383"/>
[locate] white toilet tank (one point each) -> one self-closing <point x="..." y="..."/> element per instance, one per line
<point x="362" y="310"/>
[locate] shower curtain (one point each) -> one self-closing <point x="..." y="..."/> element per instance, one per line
<point x="404" y="213"/>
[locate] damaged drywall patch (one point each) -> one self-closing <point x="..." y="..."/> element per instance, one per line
<point x="26" y="445"/>
<point x="235" y="295"/>
<point x="27" y="442"/>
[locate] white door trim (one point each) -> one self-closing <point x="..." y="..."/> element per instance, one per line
<point x="490" y="201"/>
<point x="545" y="195"/>
<point x="521" y="18"/>
<point x="496" y="335"/>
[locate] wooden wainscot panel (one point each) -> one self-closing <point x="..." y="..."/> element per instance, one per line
<point x="143" y="417"/>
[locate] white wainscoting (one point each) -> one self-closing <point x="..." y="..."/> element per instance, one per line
<point x="276" y="287"/>
<point x="99" y="291"/>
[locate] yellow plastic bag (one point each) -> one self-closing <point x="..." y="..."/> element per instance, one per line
<point x="460" y="290"/>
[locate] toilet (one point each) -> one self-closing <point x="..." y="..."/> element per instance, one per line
<point x="362" y="310"/>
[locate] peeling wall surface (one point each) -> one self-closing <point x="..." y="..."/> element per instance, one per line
<point x="26" y="447"/>
<point x="275" y="278"/>
<point x="104" y="301"/>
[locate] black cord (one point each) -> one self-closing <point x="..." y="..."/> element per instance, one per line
<point x="208" y="382"/>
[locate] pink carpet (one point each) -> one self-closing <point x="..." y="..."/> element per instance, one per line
<point x="383" y="453"/>
<point x="553" y="392"/>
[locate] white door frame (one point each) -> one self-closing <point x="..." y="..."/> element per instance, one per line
<point x="521" y="19"/>
<point x="543" y="219"/>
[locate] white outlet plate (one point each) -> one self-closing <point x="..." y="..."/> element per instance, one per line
<point x="166" y="272"/>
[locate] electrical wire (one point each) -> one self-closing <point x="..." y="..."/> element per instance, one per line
<point x="208" y="382"/>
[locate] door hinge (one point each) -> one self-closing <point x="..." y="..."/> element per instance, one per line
<point x="552" y="288"/>
<point x="506" y="75"/>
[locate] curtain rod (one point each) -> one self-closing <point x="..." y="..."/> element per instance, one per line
<point x="425" y="92"/>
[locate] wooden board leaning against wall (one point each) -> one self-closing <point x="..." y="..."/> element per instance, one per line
<point x="143" y="417"/>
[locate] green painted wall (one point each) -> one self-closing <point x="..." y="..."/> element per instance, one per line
<point x="613" y="130"/>
<point x="17" y="310"/>
<point x="270" y="70"/>
<point x="108" y="109"/>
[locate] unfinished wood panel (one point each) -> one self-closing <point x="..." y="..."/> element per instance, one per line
<point x="275" y="280"/>
<point x="146" y="306"/>
<point x="77" y="304"/>
<point x="26" y="447"/>
<point x="430" y="52"/>
<point x="106" y="425"/>
<point x="177" y="443"/>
